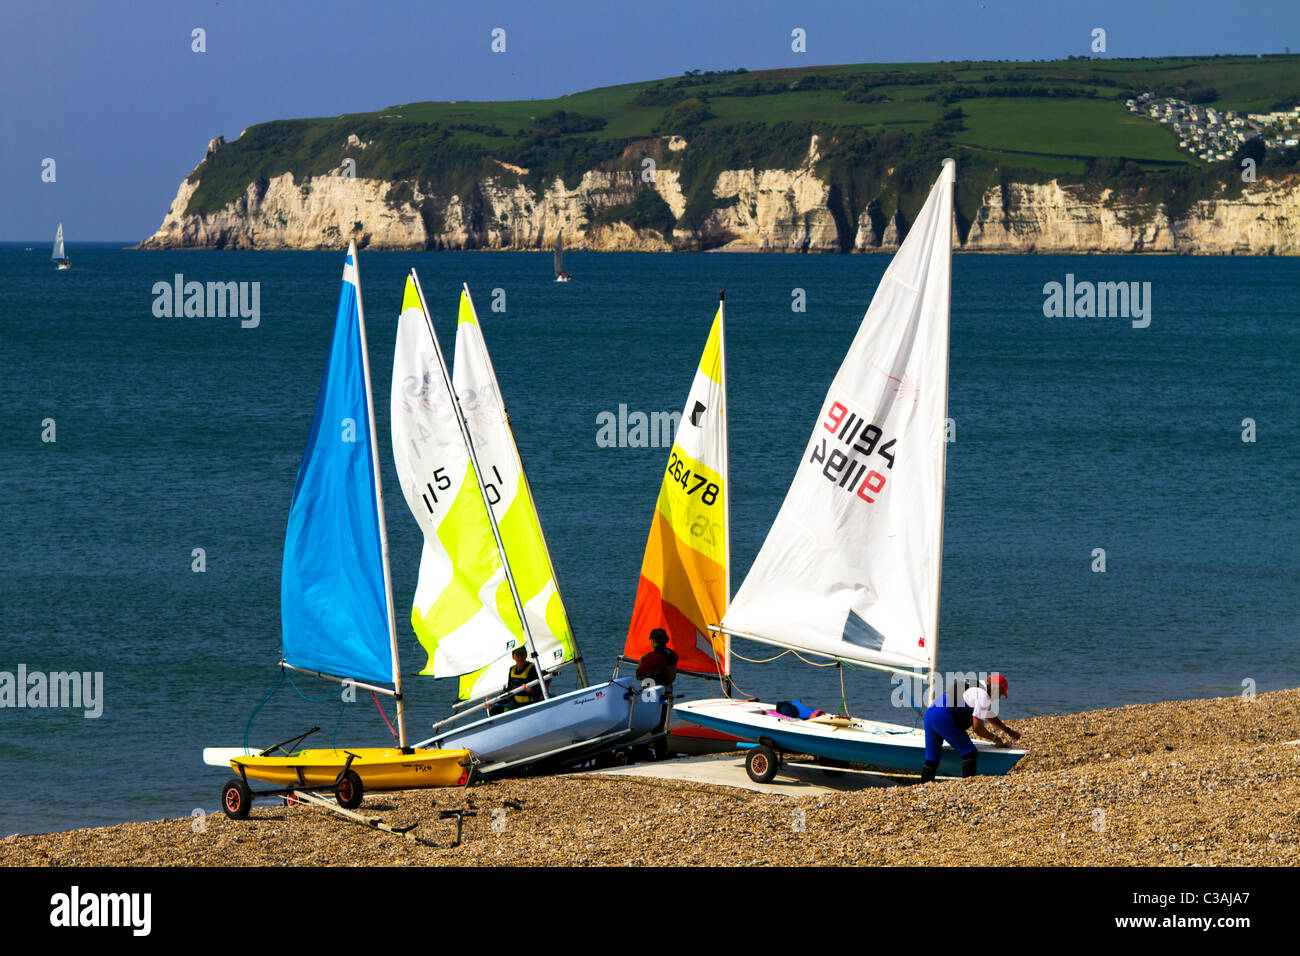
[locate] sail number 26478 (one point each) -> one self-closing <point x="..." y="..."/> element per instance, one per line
<point x="861" y="438"/>
<point x="680" y="472"/>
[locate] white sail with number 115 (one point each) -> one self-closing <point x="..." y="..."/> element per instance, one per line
<point x="463" y="612"/>
<point x="850" y="568"/>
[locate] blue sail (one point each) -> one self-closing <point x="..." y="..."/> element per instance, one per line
<point x="333" y="596"/>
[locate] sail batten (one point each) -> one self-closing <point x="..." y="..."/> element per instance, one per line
<point x="850" y="568"/>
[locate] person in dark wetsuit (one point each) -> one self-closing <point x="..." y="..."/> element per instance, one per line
<point x="948" y="719"/>
<point x="660" y="666"/>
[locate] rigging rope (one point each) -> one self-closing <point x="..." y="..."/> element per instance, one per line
<point x="310" y="700"/>
<point x="750" y="660"/>
<point x="284" y="675"/>
<point x="732" y="681"/>
<point x="274" y="688"/>
<point x="385" y="716"/>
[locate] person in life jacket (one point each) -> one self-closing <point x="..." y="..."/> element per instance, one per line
<point x="948" y="719"/>
<point x="521" y="672"/>
<point x="660" y="665"/>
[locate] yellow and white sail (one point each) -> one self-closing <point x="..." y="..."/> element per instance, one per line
<point x="464" y="612"/>
<point x="508" y="494"/>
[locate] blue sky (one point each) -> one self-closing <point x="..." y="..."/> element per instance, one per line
<point x="113" y="93"/>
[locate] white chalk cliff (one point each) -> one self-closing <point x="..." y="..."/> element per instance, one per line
<point x="779" y="210"/>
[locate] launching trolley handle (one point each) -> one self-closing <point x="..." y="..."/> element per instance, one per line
<point x="292" y="741"/>
<point x="459" y="816"/>
<point x="347" y="765"/>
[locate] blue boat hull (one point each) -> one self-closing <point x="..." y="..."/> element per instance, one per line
<point x="620" y="710"/>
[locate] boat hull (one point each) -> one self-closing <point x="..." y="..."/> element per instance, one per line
<point x="874" y="743"/>
<point x="380" y="768"/>
<point x="620" y="710"/>
<point x="695" y="740"/>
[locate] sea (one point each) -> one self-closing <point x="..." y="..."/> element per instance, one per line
<point x="1121" y="523"/>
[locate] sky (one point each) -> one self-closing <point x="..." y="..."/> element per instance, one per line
<point x="113" y="92"/>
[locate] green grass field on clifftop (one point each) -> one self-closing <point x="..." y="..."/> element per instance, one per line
<point x="878" y="125"/>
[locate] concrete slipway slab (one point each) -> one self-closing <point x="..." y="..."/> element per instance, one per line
<point x="728" y="770"/>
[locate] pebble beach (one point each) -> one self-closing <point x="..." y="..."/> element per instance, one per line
<point x="1212" y="782"/>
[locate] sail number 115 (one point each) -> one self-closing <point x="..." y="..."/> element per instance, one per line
<point x="861" y="438"/>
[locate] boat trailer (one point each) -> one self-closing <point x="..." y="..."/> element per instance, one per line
<point x="237" y="796"/>
<point x="766" y="758"/>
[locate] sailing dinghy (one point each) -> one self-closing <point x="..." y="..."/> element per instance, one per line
<point x="850" y="569"/>
<point x="60" y="255"/>
<point x="560" y="274"/>
<point x="336" y="595"/>
<point x="487" y="584"/>
<point x="685" y="577"/>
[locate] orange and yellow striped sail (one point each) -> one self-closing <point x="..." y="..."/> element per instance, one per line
<point x="684" y="584"/>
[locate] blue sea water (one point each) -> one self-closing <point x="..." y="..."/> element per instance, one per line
<point x="1072" y="434"/>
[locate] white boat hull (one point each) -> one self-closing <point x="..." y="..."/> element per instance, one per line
<point x="871" y="742"/>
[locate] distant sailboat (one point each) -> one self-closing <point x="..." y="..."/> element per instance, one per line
<point x="560" y="274"/>
<point x="59" y="255"/>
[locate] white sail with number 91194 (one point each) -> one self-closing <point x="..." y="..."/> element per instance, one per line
<point x="850" y="568"/>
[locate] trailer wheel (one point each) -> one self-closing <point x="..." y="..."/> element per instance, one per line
<point x="762" y="764"/>
<point x="349" y="791"/>
<point x="236" y="798"/>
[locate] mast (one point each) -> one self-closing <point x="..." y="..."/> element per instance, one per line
<point x="379" y="506"/>
<point x="726" y="488"/>
<point x="931" y="696"/>
<point x="482" y="490"/>
<point x="577" y="652"/>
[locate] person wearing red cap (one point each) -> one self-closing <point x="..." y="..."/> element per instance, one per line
<point x="978" y="699"/>
<point x="947" y="720"/>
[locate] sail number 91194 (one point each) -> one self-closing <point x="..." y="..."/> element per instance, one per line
<point x="862" y="438"/>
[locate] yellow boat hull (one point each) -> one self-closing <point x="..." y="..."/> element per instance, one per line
<point x="380" y="768"/>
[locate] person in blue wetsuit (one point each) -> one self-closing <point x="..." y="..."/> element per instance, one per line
<point x="948" y="720"/>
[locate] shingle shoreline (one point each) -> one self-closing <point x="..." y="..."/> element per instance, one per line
<point x="1173" y="783"/>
